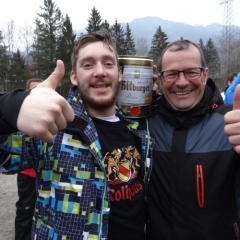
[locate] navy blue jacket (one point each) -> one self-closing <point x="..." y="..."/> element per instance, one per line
<point x="191" y="191"/>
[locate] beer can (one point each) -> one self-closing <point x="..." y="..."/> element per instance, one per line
<point x="135" y="90"/>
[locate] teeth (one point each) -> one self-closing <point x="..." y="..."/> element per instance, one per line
<point x="99" y="86"/>
<point x="182" y="93"/>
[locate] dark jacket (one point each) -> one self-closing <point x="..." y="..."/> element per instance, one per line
<point x="191" y="191"/>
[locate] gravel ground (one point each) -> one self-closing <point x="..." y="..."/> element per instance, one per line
<point x="8" y="198"/>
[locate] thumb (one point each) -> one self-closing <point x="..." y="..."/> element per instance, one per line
<point x="56" y="77"/>
<point x="236" y="98"/>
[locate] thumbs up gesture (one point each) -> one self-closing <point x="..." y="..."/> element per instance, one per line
<point x="232" y="120"/>
<point x="44" y="112"/>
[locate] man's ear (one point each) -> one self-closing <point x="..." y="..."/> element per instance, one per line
<point x="160" y="78"/>
<point x="205" y="74"/>
<point x="73" y="78"/>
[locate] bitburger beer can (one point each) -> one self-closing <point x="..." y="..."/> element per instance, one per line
<point x="135" y="90"/>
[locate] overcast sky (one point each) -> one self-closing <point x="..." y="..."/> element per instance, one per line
<point x="202" y="12"/>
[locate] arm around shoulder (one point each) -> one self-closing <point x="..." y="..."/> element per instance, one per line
<point x="10" y="104"/>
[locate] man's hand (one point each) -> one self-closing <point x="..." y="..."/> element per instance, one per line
<point x="155" y="77"/>
<point x="232" y="120"/>
<point x="44" y="112"/>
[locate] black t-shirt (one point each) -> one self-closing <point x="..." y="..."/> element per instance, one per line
<point x="122" y="154"/>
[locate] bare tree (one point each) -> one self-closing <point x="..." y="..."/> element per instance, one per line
<point x="10" y="37"/>
<point x="229" y="56"/>
<point x="26" y="40"/>
<point x="142" y="47"/>
<point x="237" y="50"/>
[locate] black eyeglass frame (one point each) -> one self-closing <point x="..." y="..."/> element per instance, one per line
<point x="183" y="71"/>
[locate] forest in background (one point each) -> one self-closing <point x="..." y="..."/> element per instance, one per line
<point x="53" y="38"/>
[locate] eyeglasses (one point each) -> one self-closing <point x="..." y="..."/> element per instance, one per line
<point x="190" y="74"/>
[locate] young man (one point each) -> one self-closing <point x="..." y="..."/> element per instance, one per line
<point x="191" y="191"/>
<point x="92" y="177"/>
<point x="26" y="183"/>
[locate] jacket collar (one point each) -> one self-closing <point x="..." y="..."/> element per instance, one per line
<point x="180" y="119"/>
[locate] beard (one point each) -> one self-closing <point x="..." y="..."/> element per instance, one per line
<point x="99" y="104"/>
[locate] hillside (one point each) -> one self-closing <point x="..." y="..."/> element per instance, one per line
<point x="146" y="28"/>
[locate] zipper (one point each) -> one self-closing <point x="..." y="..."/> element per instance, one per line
<point x="200" y="185"/>
<point x="98" y="159"/>
<point x="103" y="199"/>
<point x="145" y="178"/>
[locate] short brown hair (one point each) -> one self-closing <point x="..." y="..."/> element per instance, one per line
<point x="231" y="77"/>
<point x="181" y="45"/>
<point x="101" y="35"/>
<point x="28" y="83"/>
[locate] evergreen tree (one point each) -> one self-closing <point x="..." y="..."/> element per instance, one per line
<point x="202" y="46"/>
<point x="18" y="74"/>
<point x="212" y="58"/>
<point x="64" y="52"/>
<point x="159" y="42"/>
<point x="129" y="42"/>
<point x="3" y="48"/>
<point x="48" y="31"/>
<point x="94" y="21"/>
<point x="66" y="43"/>
<point x="4" y="65"/>
<point x="106" y="25"/>
<point x="117" y="33"/>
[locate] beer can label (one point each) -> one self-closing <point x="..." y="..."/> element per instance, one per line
<point x="136" y="85"/>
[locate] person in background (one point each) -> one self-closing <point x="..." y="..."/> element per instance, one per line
<point x="92" y="176"/>
<point x="26" y="183"/>
<point x="230" y="90"/>
<point x="191" y="191"/>
<point x="230" y="100"/>
<point x="231" y="77"/>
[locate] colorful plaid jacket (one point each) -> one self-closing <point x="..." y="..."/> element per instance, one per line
<point x="73" y="196"/>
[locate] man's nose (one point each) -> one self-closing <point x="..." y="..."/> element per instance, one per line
<point x="100" y="69"/>
<point x="181" y="79"/>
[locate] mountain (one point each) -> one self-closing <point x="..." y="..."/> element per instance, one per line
<point x="147" y="26"/>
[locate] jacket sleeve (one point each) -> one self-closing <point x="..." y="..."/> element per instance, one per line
<point x="230" y="90"/>
<point x="18" y="152"/>
<point x="10" y="104"/>
<point x="4" y="156"/>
